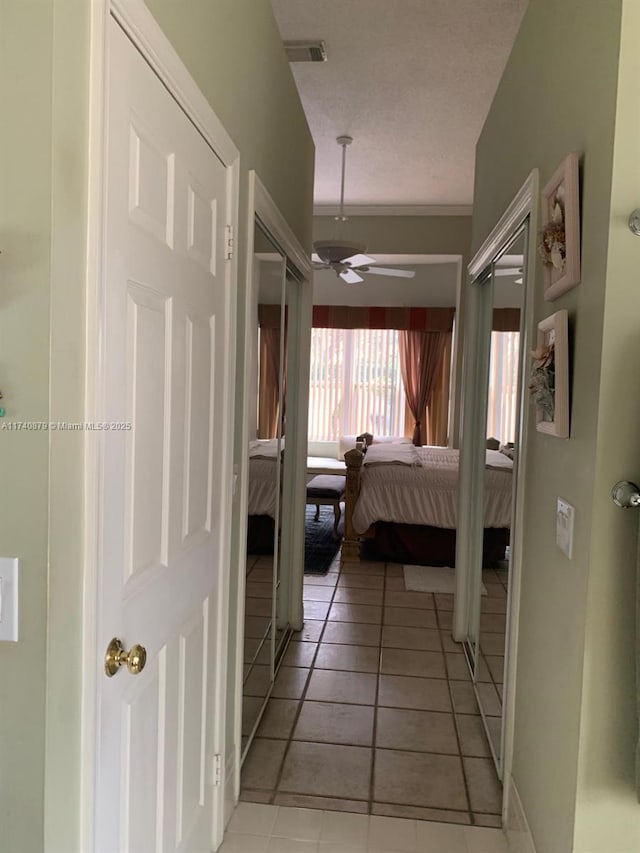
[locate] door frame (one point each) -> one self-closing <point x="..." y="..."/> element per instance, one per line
<point x="146" y="35"/>
<point x="525" y="204"/>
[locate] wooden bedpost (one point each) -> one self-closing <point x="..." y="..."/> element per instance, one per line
<point x="351" y="540"/>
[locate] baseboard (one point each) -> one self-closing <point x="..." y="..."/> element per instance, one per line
<point x="516" y="827"/>
<point x="229" y="786"/>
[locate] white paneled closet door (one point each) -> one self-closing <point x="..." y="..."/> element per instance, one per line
<point x="166" y="350"/>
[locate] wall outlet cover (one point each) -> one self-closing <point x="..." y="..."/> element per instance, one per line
<point x="564" y="526"/>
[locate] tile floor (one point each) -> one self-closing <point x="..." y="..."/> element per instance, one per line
<point x="270" y="829"/>
<point x="373" y="710"/>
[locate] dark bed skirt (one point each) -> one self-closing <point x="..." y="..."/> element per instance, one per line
<point x="260" y="530"/>
<point x="429" y="546"/>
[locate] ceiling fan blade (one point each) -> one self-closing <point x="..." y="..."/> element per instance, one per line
<point x="320" y="266"/>
<point x="315" y="257"/>
<point x="351" y="277"/>
<point x="389" y="271"/>
<point x="358" y="261"/>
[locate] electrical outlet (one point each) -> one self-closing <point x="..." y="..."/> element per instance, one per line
<point x="564" y="526"/>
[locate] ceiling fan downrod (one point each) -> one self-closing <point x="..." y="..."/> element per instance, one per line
<point x="343" y="141"/>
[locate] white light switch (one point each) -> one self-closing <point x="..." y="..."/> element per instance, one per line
<point x="9" y="599"/>
<point x="564" y="526"/>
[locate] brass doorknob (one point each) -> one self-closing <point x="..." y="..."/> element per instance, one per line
<point x="117" y="656"/>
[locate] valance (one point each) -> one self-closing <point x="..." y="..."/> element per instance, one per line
<point x="365" y="317"/>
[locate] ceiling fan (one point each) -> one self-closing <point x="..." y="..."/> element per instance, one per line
<point x="346" y="257"/>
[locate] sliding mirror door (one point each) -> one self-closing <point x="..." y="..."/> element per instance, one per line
<point x="500" y="353"/>
<point x="265" y="479"/>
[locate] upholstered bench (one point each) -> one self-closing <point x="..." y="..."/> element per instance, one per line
<point x="327" y="490"/>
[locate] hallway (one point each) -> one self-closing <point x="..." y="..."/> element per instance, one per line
<point x="373" y="710"/>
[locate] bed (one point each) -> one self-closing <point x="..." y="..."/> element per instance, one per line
<point x="402" y="502"/>
<point x="261" y="509"/>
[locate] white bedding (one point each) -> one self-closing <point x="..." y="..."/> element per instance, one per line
<point x="428" y="493"/>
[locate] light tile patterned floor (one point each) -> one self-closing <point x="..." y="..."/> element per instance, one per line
<point x="373" y="710"/>
<point x="268" y="829"/>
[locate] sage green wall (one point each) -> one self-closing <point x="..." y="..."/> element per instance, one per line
<point x="25" y="268"/>
<point x="574" y="703"/>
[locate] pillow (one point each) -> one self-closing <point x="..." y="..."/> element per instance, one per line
<point x="509" y="450"/>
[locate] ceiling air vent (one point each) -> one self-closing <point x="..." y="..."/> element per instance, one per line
<point x="306" y="51"/>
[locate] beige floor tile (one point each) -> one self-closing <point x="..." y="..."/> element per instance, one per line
<point x="352" y="633"/>
<point x="290" y="682"/>
<point x="259" y="590"/>
<point x="258" y="607"/>
<point x="493" y="623"/>
<point x="365" y="613"/>
<point x="457" y="667"/>
<point x="445" y="619"/>
<point x="473" y="740"/>
<point x="496" y="667"/>
<point x="251" y="707"/>
<point x="418" y="813"/>
<point x="491" y="604"/>
<point x="419" y="779"/>
<point x="441" y="836"/>
<point x="444" y="601"/>
<point x="253" y="819"/>
<point x="410" y="599"/>
<point x="311" y="631"/>
<point x="347" y="657"/>
<point x="449" y="644"/>
<point x="316" y="609"/>
<point x="421" y="694"/>
<point x="318" y="593"/>
<point x="291" y="845"/>
<point x="483" y="670"/>
<point x="258" y="681"/>
<point x="395" y="570"/>
<point x="262" y="764"/>
<point x="394" y="584"/>
<point x="357" y="688"/>
<point x="421" y="731"/>
<point x="328" y="803"/>
<point x="495" y="590"/>
<point x="236" y="843"/>
<point x="487" y="819"/>
<point x="278" y="718"/>
<point x="392" y="833"/>
<point x="249" y="796"/>
<point x="397" y="637"/>
<point x="361" y="581"/>
<point x="358" y="595"/>
<point x="330" y="579"/>
<point x="351" y="829"/>
<point x="300" y="654"/>
<point x="298" y="824"/>
<point x="489" y="699"/>
<point x="413" y="662"/>
<point x="320" y="769"/>
<point x="409" y="617"/>
<point x="364" y="567"/>
<point x="463" y="697"/>
<point x="256" y="626"/>
<point x="332" y="722"/>
<point x="485" y="792"/>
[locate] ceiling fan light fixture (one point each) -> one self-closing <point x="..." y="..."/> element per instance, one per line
<point x="335" y="251"/>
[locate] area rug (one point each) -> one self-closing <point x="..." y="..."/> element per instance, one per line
<point x="320" y="548"/>
<point x="432" y="579"/>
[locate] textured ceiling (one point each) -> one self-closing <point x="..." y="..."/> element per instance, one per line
<point x="411" y="81"/>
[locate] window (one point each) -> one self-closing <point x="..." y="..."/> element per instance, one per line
<point x="355" y="383"/>
<point x="502" y="405"/>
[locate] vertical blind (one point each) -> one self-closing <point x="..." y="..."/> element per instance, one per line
<point x="502" y="404"/>
<point x="355" y="383"/>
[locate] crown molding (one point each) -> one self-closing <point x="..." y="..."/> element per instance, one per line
<point x="395" y="210"/>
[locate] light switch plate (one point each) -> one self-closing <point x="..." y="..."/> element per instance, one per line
<point x="9" y="599"/>
<point x="564" y="526"/>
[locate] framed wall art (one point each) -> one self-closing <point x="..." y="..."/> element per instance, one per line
<point x="559" y="242"/>
<point x="549" y="378"/>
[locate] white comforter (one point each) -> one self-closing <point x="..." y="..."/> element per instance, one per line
<point x="427" y="493"/>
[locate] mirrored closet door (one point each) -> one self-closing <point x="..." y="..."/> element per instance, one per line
<point x="274" y="290"/>
<point x="500" y="345"/>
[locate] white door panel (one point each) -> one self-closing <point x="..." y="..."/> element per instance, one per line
<point x="165" y="356"/>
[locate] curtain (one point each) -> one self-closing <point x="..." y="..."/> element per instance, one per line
<point x="437" y="416"/>
<point x="365" y="317"/>
<point x="268" y="387"/>
<point x="421" y="355"/>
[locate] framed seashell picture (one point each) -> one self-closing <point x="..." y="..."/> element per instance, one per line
<point x="559" y="240"/>
<point x="549" y="375"/>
